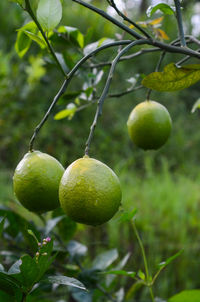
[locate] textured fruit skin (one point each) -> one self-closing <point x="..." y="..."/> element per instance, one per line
<point x="90" y="192"/>
<point x="149" y="125"/>
<point x="36" y="182"/>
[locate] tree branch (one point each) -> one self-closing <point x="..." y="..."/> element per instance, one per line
<point x="161" y="58"/>
<point x="106" y="88"/>
<point x="180" y="23"/>
<point x="30" y="12"/>
<point x="129" y="57"/>
<point x="111" y="19"/>
<point x="112" y="3"/>
<point x="66" y="83"/>
<point x="164" y="46"/>
<point x="120" y="94"/>
<point x="185" y="59"/>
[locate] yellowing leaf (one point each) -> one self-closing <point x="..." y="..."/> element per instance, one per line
<point x="173" y="78"/>
<point x="156" y="21"/>
<point x="161" y="34"/>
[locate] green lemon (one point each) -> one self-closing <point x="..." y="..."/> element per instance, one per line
<point x="90" y="192"/>
<point x="36" y="182"/>
<point x="149" y="125"/>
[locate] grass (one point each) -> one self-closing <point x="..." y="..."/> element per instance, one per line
<point x="168" y="219"/>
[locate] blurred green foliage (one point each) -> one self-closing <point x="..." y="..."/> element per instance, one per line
<point x="163" y="185"/>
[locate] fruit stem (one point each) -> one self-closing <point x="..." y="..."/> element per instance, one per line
<point x="106" y="89"/>
<point x="66" y="83"/>
<point x="148" y="277"/>
<point x="161" y="58"/>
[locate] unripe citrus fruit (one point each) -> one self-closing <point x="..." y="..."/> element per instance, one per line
<point x="149" y="125"/>
<point x="36" y="181"/>
<point x="90" y="192"/>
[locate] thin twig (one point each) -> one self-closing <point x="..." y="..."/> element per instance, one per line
<point x="180" y="23"/>
<point x="161" y="58"/>
<point x="161" y="45"/>
<point x="31" y="13"/>
<point x="129" y="20"/>
<point x="111" y="19"/>
<point x="66" y="83"/>
<point x="120" y="94"/>
<point x="105" y="90"/>
<point x="185" y="59"/>
<point x="129" y="57"/>
<point x="190" y="39"/>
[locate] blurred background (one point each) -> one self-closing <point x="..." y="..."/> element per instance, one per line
<point x="163" y="185"/>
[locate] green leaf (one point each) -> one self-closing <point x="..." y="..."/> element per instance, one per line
<point x="102" y="261"/>
<point x="88" y="91"/>
<point x="76" y="249"/>
<point x="141" y="275"/>
<point x="173" y="78"/>
<point x="40" y="41"/>
<point x="49" y="13"/>
<point x="66" y="226"/>
<point x="23" y="42"/>
<point x="121" y="272"/>
<point x="29" y="271"/>
<point x="74" y="33"/>
<point x="69" y="112"/>
<point x="196" y="106"/>
<point x="128" y="216"/>
<point x="119" y="266"/>
<point x="15" y="268"/>
<point x="164" y="8"/>
<point x="8" y="284"/>
<point x="30" y="232"/>
<point x="51" y="223"/>
<point x="134" y="289"/>
<point x="20" y="2"/>
<point x="63" y="280"/>
<point x="35" y="70"/>
<point x="71" y="95"/>
<point x="170" y="259"/>
<point x="186" y="296"/>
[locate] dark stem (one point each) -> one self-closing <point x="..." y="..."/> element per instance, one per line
<point x="161" y="45"/>
<point x="120" y="94"/>
<point x="105" y="91"/>
<point x="129" y="20"/>
<point x="161" y="58"/>
<point x="185" y="59"/>
<point x="129" y="57"/>
<point x="65" y="85"/>
<point x="180" y="22"/>
<point x="30" y="12"/>
<point x="111" y="19"/>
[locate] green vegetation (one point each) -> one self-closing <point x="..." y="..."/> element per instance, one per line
<point x="163" y="186"/>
